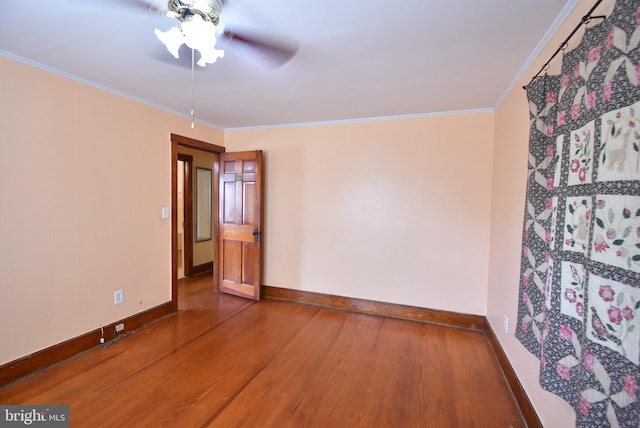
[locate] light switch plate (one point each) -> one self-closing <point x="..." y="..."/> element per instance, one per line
<point x="165" y="212"/>
<point x="118" y="297"/>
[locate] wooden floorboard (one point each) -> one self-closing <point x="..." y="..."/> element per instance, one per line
<point x="223" y="361"/>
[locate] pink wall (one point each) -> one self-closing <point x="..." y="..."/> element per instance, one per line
<point x="509" y="185"/>
<point x="395" y="211"/>
<point x="83" y="177"/>
<point x="425" y="211"/>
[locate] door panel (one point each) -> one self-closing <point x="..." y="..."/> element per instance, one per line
<point x="229" y="197"/>
<point x="232" y="250"/>
<point x="248" y="269"/>
<point x="248" y="193"/>
<point x="241" y="186"/>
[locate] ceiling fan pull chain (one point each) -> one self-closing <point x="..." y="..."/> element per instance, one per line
<point x="193" y="89"/>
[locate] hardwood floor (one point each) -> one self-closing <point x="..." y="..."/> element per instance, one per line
<point x="223" y="361"/>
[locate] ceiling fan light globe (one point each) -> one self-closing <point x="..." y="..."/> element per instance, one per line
<point x="201" y="36"/>
<point x="198" y="32"/>
<point x="172" y="39"/>
<point x="209" y="57"/>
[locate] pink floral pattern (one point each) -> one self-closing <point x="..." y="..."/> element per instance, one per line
<point x="575" y="165"/>
<point x="576" y="70"/>
<point x="575" y="111"/>
<point x="606" y="293"/>
<point x="572" y="283"/>
<point x="562" y="118"/>
<point x="620" y="144"/>
<point x="592" y="98"/>
<point x="570" y="295"/>
<point x="581" y="154"/>
<point x="563" y="371"/>
<point x="608" y="89"/>
<point x="630" y="385"/>
<point x="616" y="238"/>
<point x="577" y="217"/>
<point x="613" y="316"/>
<point x="580" y="288"/>
<point x="566" y="333"/>
<point x="585" y="406"/>
<point x="589" y="360"/>
<point x="550" y="130"/>
<point x="551" y="150"/>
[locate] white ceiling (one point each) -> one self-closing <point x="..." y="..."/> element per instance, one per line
<point x="356" y="59"/>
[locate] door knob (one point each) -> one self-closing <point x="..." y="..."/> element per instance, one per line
<point x="256" y="235"/>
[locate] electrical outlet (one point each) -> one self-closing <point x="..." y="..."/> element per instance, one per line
<point x="506" y="324"/>
<point x="118" y="297"/>
<point x="119" y="327"/>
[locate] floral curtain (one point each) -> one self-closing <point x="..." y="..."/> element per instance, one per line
<point x="579" y="300"/>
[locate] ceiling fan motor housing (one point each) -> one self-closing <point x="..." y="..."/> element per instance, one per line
<point x="209" y="10"/>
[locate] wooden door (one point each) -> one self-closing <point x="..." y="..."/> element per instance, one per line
<point x="240" y="217"/>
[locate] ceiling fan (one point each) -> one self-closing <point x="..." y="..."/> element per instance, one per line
<point x="199" y="28"/>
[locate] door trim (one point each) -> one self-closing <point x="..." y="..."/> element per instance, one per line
<point x="187" y="201"/>
<point x="179" y="140"/>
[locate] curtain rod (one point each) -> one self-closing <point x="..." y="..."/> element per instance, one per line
<point x="585" y="20"/>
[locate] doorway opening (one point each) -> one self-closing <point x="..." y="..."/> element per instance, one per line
<point x="193" y="262"/>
